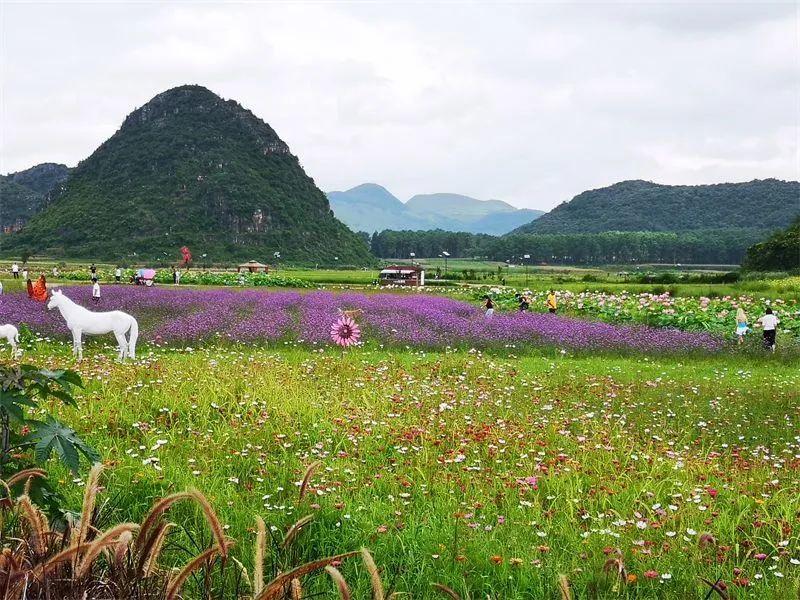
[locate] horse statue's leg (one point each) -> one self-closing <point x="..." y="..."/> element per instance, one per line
<point x="123" y="345"/>
<point x="77" y="346"/>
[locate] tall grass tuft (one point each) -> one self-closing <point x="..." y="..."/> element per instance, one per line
<point x="307" y="477"/>
<point x="296" y="589"/>
<point x="374" y="576"/>
<point x="37" y="525"/>
<point x="564" y="588"/>
<point x="93" y="550"/>
<point x="213" y="522"/>
<point x="277" y="588"/>
<point x="450" y="593"/>
<point x="89" y="497"/>
<point x="294" y="530"/>
<point x="25" y="474"/>
<point x="176" y="582"/>
<point x="341" y="584"/>
<point x="258" y="559"/>
<point x="149" y="553"/>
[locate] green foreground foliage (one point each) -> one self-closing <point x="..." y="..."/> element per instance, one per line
<point x="492" y="474"/>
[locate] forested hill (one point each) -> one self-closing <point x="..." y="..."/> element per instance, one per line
<point x="646" y="206"/>
<point x="189" y="168"/>
<point x="781" y="252"/>
<point x="22" y="194"/>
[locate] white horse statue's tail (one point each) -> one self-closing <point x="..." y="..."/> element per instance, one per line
<point x="132" y="337"/>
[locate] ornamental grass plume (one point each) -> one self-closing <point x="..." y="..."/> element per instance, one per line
<point x="122" y="560"/>
<point x="345" y="332"/>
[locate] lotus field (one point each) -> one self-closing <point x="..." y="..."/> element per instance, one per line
<point x="716" y="314"/>
<point x="597" y="453"/>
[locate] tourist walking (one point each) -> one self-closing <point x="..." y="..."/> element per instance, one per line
<point x="15" y="270"/>
<point x="24" y="272"/>
<point x="178" y="277"/>
<point x="118" y="275"/>
<point x="174" y="276"/>
<point x="96" y="291"/>
<point x="489" y="307"/>
<point x="552" y="303"/>
<point x="93" y="271"/>
<point x="769" y="323"/>
<point x="741" y="324"/>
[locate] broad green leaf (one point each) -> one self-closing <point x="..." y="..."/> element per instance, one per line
<point x="55" y="436"/>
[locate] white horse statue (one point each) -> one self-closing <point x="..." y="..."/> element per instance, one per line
<point x="80" y="321"/>
<point x="11" y="335"/>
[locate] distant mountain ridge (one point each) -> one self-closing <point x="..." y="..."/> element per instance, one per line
<point x="24" y="193"/>
<point x="189" y="168"/>
<point x="370" y="207"/>
<point x="646" y="206"/>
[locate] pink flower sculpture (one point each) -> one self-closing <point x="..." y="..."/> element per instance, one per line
<point x="345" y="332"/>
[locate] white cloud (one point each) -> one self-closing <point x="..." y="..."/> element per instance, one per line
<point x="528" y="103"/>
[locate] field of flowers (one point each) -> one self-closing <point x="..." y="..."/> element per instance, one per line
<point x="189" y="316"/>
<point x="716" y="314"/>
<point x="631" y="476"/>
<point x="598" y="453"/>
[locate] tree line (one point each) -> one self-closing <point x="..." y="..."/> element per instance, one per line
<point x="780" y="252"/>
<point x="711" y="246"/>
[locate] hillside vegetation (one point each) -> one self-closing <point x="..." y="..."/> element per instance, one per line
<point x="24" y="193"/>
<point x="708" y="246"/>
<point x="781" y="252"/>
<point x="190" y="168"/>
<point x="646" y="206"/>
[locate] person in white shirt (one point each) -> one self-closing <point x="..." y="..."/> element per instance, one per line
<point x="96" y="291"/>
<point x="118" y="274"/>
<point x="769" y="323"/>
<point x="1" y="288"/>
<point x="15" y="270"/>
<point x="25" y="273"/>
<point x="55" y="271"/>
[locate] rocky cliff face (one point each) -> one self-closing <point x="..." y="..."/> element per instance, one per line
<point x="25" y="193"/>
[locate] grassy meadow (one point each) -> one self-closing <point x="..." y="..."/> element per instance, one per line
<point x="490" y="473"/>
<point x="685" y="281"/>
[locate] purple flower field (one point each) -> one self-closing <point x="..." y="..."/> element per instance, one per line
<point x="187" y="316"/>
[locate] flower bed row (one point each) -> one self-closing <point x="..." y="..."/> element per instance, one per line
<point x="179" y="316"/>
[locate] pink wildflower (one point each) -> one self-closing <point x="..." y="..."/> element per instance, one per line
<point x="345" y="332"/>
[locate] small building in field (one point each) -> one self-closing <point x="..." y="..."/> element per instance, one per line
<point x="252" y="266"/>
<point x="402" y="275"/>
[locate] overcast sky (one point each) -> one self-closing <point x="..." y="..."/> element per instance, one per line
<point x="530" y="103"/>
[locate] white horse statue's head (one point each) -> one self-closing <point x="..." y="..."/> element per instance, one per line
<point x="56" y="299"/>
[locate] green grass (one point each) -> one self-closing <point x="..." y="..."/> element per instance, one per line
<point x="421" y="453"/>
<point x="561" y="277"/>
